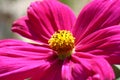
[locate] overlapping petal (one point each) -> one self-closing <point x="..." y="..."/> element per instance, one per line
<point x="96" y="40"/>
<point x="104" y="42"/>
<point x="43" y="19"/>
<point x="80" y="68"/>
<point x="52" y="73"/>
<point x="20" y="60"/>
<point x="97" y="15"/>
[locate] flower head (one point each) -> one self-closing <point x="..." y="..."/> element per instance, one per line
<point x="66" y="48"/>
<point x="62" y="42"/>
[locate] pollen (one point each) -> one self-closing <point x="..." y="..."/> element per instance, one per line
<point x="62" y="42"/>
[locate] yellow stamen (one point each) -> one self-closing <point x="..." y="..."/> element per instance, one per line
<point x="62" y="42"/>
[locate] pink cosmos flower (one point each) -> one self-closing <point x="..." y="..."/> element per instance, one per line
<point x="66" y="48"/>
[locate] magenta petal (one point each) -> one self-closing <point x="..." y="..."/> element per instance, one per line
<point x="79" y="68"/>
<point x="73" y="71"/>
<point x="104" y="42"/>
<point x="43" y="19"/>
<point x="50" y="16"/>
<point x="22" y="27"/>
<point x="97" y="15"/>
<point x="16" y="48"/>
<point x="20" y="60"/>
<point x="11" y="42"/>
<point x="53" y="72"/>
<point x="20" y="69"/>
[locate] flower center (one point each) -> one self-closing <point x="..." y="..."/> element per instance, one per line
<point x="62" y="42"/>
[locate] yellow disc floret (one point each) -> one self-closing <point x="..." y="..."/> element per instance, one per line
<point x="62" y="42"/>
